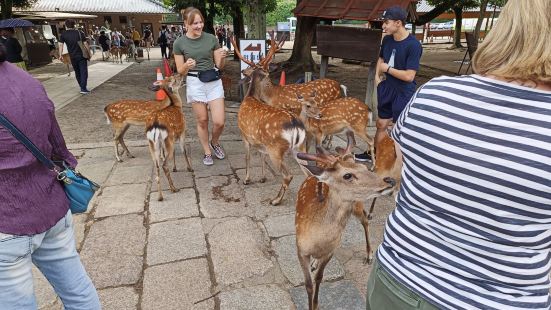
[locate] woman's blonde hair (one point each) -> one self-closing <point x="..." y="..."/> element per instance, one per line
<point x="189" y="14"/>
<point x="519" y="46"/>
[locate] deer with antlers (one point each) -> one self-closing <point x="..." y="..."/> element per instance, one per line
<point x="285" y="96"/>
<point x="123" y="113"/>
<point x="334" y="191"/>
<point x="163" y="128"/>
<point x="274" y="132"/>
<point x="335" y="116"/>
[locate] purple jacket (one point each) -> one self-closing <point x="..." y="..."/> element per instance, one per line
<point x="31" y="199"/>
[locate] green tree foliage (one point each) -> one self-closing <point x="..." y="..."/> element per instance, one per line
<point x="283" y="10"/>
<point x="6" y="6"/>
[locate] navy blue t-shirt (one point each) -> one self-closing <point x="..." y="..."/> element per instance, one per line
<point x="402" y="55"/>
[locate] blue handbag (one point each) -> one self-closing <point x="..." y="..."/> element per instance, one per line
<point x="78" y="189"/>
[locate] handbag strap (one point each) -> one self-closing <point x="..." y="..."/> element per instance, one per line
<point x="27" y="143"/>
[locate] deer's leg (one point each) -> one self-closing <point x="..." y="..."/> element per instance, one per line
<point x="116" y="140"/>
<point x="155" y="155"/>
<point x="305" y="265"/>
<point x="263" y="159"/>
<point x="121" y="140"/>
<point x="322" y="262"/>
<point x="369" y="216"/>
<point x="169" y="153"/>
<point x="186" y="151"/>
<point x="359" y="212"/>
<point x="277" y="159"/>
<point x="247" y="162"/>
<point x="362" y="133"/>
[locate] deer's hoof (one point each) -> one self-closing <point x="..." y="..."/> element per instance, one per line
<point x="369" y="216"/>
<point x="131" y="156"/>
<point x="175" y="190"/>
<point x="160" y="198"/>
<point x="262" y="180"/>
<point x="368" y="260"/>
<point x="119" y="160"/>
<point x="174" y="169"/>
<point x="189" y="169"/>
<point x="275" y="202"/>
<point x="246" y="182"/>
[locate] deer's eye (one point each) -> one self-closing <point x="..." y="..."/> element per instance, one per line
<point x="347" y="176"/>
<point x="308" y="106"/>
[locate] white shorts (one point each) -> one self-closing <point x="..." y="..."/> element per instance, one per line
<point x="199" y="92"/>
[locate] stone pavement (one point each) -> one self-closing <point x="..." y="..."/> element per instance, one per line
<point x="215" y="244"/>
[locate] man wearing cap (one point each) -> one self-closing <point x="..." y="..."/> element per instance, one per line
<point x="399" y="61"/>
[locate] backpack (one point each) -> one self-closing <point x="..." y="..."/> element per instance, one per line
<point x="146" y="34"/>
<point x="162" y="39"/>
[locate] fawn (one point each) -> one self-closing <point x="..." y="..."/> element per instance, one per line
<point x="123" y="113"/>
<point x="326" y="200"/>
<point x="335" y="116"/>
<point x="163" y="128"/>
<point x="274" y="132"/>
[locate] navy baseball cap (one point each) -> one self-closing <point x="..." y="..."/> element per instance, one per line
<point x="395" y="13"/>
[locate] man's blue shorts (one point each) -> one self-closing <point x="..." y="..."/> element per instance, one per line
<point x="391" y="101"/>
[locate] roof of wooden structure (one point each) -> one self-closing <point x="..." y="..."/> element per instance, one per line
<point x="351" y="9"/>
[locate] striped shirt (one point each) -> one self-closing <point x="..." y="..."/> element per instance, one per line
<point x="472" y="224"/>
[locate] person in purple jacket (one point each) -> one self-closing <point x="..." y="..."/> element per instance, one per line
<point x="36" y="226"/>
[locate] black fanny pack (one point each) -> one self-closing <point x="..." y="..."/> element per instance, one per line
<point x="207" y="75"/>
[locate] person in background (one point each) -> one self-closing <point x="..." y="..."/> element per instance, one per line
<point x="194" y="52"/>
<point x="116" y="37"/>
<point x="13" y="48"/>
<point x="36" y="226"/>
<point x="472" y="220"/>
<point x="136" y="37"/>
<point x="147" y="37"/>
<point x="162" y="40"/>
<point x="399" y="61"/>
<point x="80" y="64"/>
<point x="229" y="35"/>
<point x="104" y="43"/>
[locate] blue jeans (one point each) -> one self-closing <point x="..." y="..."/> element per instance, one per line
<point x="80" y="65"/>
<point x="54" y="253"/>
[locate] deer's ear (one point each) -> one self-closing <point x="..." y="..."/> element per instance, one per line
<point x="313" y="94"/>
<point x="314" y="171"/>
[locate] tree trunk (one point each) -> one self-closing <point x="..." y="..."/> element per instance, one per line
<point x="209" y="19"/>
<point x="6" y="6"/>
<point x="301" y="57"/>
<point x="238" y="26"/>
<point x="458" y="23"/>
<point x="257" y="20"/>
<point x="483" y="5"/>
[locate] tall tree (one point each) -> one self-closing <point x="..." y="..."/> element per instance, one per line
<point x="301" y="57"/>
<point x="6" y="6"/>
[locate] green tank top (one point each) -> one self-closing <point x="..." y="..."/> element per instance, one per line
<point x="200" y="49"/>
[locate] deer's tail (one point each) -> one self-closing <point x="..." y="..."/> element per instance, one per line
<point x="344" y="90"/>
<point x="294" y="133"/>
<point x="157" y="134"/>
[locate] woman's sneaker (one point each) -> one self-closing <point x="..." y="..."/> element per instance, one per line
<point x="218" y="151"/>
<point x="207" y="160"/>
<point x="363" y="157"/>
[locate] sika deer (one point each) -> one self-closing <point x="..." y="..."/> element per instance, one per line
<point x="123" y="113"/>
<point x="274" y="132"/>
<point x="163" y="128"/>
<point x="335" y="116"/>
<point x="285" y="96"/>
<point x="325" y="202"/>
<point x="388" y="164"/>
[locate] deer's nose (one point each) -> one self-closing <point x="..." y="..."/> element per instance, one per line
<point x="390" y="181"/>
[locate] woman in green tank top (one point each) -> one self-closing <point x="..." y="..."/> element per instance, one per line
<point x="197" y="52"/>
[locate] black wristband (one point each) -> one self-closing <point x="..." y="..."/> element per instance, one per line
<point x="388" y="69"/>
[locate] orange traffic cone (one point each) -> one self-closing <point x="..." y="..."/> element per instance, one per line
<point x="160" y="94"/>
<point x="282" y="78"/>
<point x="168" y="72"/>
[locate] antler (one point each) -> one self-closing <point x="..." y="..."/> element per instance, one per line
<point x="273" y="49"/>
<point x="322" y="158"/>
<point x="236" y="50"/>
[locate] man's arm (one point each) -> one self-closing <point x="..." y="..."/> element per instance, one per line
<point x="404" y="75"/>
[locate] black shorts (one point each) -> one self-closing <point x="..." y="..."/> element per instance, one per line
<point x="391" y="101"/>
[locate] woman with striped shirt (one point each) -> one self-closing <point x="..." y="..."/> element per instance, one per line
<point x="472" y="224"/>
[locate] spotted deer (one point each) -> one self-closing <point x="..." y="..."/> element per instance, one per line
<point x="274" y="132"/>
<point x="335" y="116"/>
<point x="285" y="96"/>
<point x="163" y="128"/>
<point x="388" y="164"/>
<point x="334" y="191"/>
<point x="123" y="113"/>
